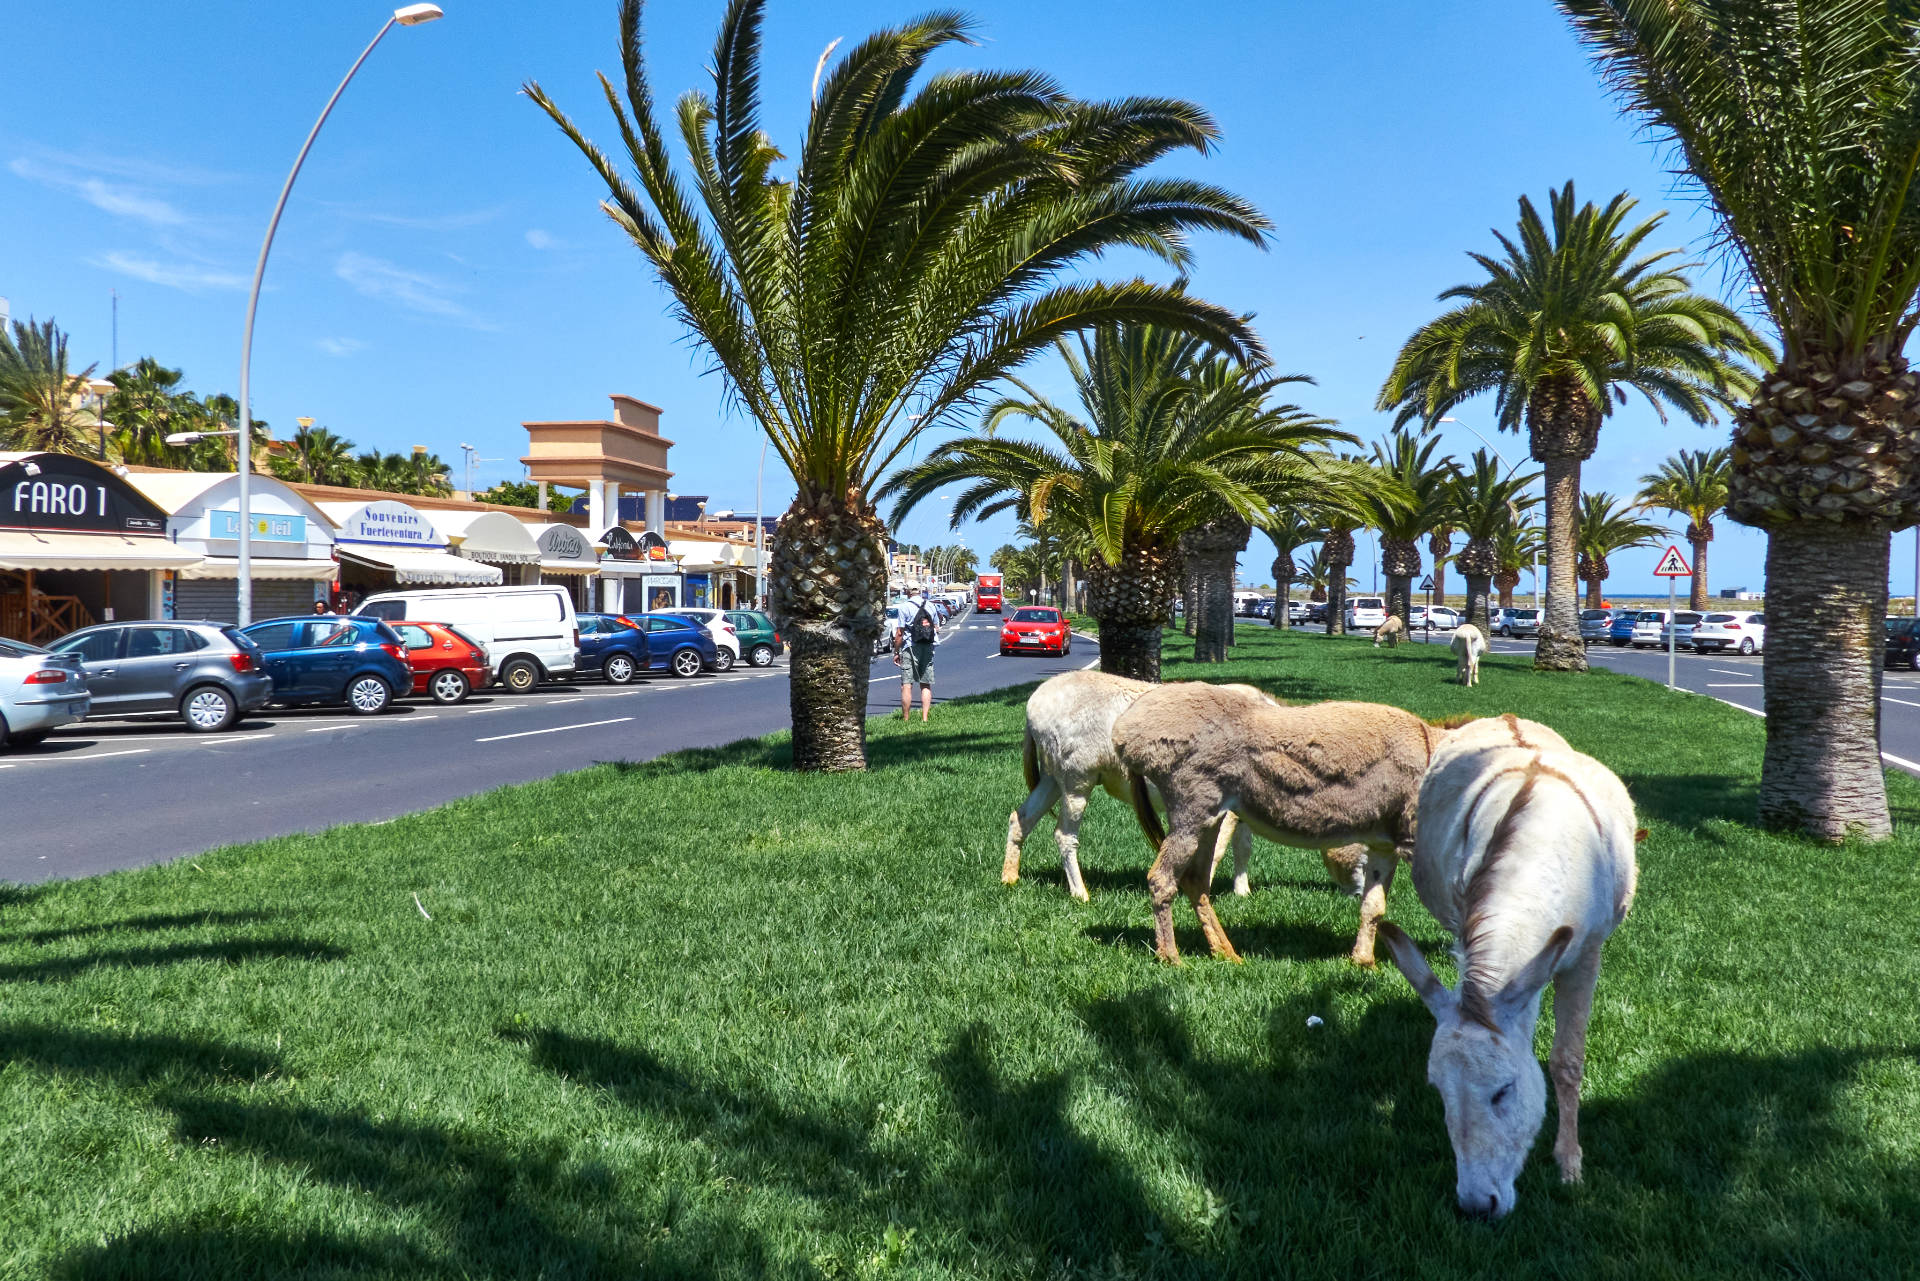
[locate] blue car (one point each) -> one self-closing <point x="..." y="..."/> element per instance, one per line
<point x="614" y="646"/>
<point x="1620" y="631"/>
<point x="679" y="645"/>
<point x="326" y="658"/>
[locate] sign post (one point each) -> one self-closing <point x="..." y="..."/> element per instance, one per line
<point x="1672" y="567"/>
<point x="1426" y="585"/>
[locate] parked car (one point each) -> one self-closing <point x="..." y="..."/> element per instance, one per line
<point x="1742" y="630"/>
<point x="529" y="633"/>
<point x="1038" y="629"/>
<point x="726" y="643"/>
<point x="446" y="664"/>
<point x="1299" y="611"/>
<point x="1366" y="612"/>
<point x="39" y="692"/>
<point x="679" y="645"/>
<point x="1620" y="631"/>
<point x="1316" y="612"/>
<point x="355" y="662"/>
<point x="613" y="646"/>
<point x="1650" y="628"/>
<point x="1903" y="643"/>
<point x="1445" y="617"/>
<point x="208" y="674"/>
<point x="1516" y="622"/>
<point x="1596" y="624"/>
<point x="1246" y="604"/>
<point x="1263" y="608"/>
<point x="759" y="642"/>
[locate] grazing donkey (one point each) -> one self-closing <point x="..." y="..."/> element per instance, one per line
<point x="1390" y="631"/>
<point x="1319" y="777"/>
<point x="1469" y="643"/>
<point x="1525" y="853"/>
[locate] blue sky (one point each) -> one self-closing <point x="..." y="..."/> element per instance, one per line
<point x="443" y="271"/>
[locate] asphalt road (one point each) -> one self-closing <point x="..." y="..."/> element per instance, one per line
<point x="124" y="794"/>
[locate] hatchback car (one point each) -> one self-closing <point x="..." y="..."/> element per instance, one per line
<point x="1651" y="627"/>
<point x="355" y="661"/>
<point x="1035" y="629"/>
<point x="679" y="645"/>
<point x="1445" y="617"/>
<point x="726" y="651"/>
<point x="613" y="645"/>
<point x="1903" y="643"/>
<point x="1366" y="611"/>
<point x="1596" y="625"/>
<point x="1743" y="631"/>
<point x="447" y="664"/>
<point x="208" y="674"/>
<point x="760" y="644"/>
<point x="1516" y="622"/>
<point x="39" y="692"/>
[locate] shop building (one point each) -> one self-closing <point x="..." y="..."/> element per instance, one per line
<point x="567" y="558"/>
<point x="290" y="550"/>
<point x="386" y="544"/>
<point x="78" y="546"/>
<point x="492" y="538"/>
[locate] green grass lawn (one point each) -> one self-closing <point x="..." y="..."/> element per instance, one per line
<point x="704" y="1018"/>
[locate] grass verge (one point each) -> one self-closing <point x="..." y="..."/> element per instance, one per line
<point x="702" y="1017"/>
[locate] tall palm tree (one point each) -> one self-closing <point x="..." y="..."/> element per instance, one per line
<point x="1572" y="318"/>
<point x="1319" y="575"/>
<point x="925" y="242"/>
<point x="1516" y="549"/>
<point x="1291" y="528"/>
<point x="316" y="456"/>
<point x="1692" y="483"/>
<point x="1606" y="527"/>
<point x="1484" y="502"/>
<point x="1412" y="505"/>
<point x="147" y="403"/>
<point x="40" y="404"/>
<point x="1798" y="122"/>
<point x="1168" y="434"/>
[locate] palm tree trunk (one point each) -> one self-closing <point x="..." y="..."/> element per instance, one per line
<point x="1559" y="648"/>
<point x="1282" y="589"/>
<point x="1130" y="601"/>
<point x="1478" y="586"/>
<point x="1338" y="547"/>
<point x="1210" y="551"/>
<point x="1440" y="543"/>
<point x="1189" y="598"/>
<point x="1400" y="561"/>
<point x="1826" y="605"/>
<point x="1697" y="595"/>
<point x="827" y="581"/>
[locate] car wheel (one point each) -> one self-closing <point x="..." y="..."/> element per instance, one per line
<point x="520" y="675"/>
<point x="722" y="659"/>
<point x="1619" y="644"/>
<point x="1747" y="646"/>
<point x="208" y="709"/>
<point x="449" y="686"/>
<point x="686" y="662"/>
<point x="1066" y="647"/>
<point x="367" y="695"/>
<point x="762" y="656"/>
<point x="1506" y="631"/>
<point x="618" y="669"/>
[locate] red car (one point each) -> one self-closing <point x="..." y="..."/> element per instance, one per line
<point x="447" y="666"/>
<point x="1036" y="629"/>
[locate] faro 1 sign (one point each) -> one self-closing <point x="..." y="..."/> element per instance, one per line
<point x="56" y="491"/>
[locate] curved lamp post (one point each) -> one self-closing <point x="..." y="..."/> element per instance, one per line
<point x="410" y="16"/>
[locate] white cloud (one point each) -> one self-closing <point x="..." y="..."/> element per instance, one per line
<point x="540" y="239"/>
<point x="174" y="275"/>
<point x="115" y="198"/>
<point x="415" y="291"/>
<point x="340" y="346"/>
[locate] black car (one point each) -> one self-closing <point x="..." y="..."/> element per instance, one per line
<point x="1903" y="644"/>
<point x="613" y="645"/>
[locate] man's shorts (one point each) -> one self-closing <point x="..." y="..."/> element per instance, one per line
<point x="916" y="665"/>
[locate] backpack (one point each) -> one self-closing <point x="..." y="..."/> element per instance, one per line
<point x="922" y="629"/>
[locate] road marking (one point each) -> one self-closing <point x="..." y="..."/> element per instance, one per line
<point x="555" y="702"/>
<point x="1901" y="761"/>
<point x="557" y="729"/>
<point x="1727" y="672"/>
<point x="475" y="711"/>
<point x="100" y="756"/>
<point x="1903" y="702"/>
<point x="1745" y="685"/>
<point x="1912" y="767"/>
<point x="323" y="729"/>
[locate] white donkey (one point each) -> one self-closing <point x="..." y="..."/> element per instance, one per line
<point x="1525" y="853"/>
<point x="1469" y="643"/>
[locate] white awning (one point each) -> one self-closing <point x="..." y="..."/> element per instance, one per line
<point x="415" y="565"/>
<point x="279" y="570"/>
<point x="582" y="567"/>
<point x="493" y="537"/>
<point x="26" y="549"/>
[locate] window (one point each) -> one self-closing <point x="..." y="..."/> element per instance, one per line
<point x="157" y="642"/>
<point x="1717" y="618"/>
<point x="663" y="625"/>
<point x="741" y="622"/>
<point x="384" y="610"/>
<point x="98" y="646"/>
<point x="273" y="637"/>
<point x="1594" y="615"/>
<point x="1035" y="616"/>
<point x="414" y="637"/>
<point x="331" y="633"/>
<point x="588" y="624"/>
<point x="1685" y="616"/>
<point x="1758" y="620"/>
<point x="17" y="649"/>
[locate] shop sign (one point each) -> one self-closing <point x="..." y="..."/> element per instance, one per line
<point x="662" y="591"/>
<point x="563" y="542"/>
<point x="652" y="546"/>
<point x="268" y="527"/>
<point x="620" y="544"/>
<point x="58" y="491"/>
<point x="391" y="523"/>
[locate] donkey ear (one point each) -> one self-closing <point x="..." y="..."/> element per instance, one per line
<point x="1407" y="959"/>
<point x="1526" y="985"/>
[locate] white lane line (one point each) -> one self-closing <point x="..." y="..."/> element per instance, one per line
<point x="1727" y="671"/>
<point x="326" y="729"/>
<point x="1905" y="764"/>
<point x="475" y="711"/>
<point x="1741" y="685"/>
<point x="1887" y="698"/>
<point x="558" y="729"/>
<point x="555" y="702"/>
<point x="97" y="756"/>
<point x="1901" y="761"/>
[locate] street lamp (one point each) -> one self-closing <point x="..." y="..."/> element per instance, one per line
<point x="1516" y="515"/>
<point x="409" y="16"/>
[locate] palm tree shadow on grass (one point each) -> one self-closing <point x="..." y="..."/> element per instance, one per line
<point x="154" y="921"/>
<point x="1691" y="801"/>
<point x="232" y="952"/>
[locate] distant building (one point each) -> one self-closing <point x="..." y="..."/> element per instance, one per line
<point x="1738" y="593"/>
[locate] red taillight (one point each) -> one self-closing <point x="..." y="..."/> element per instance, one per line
<point x="242" y="660"/>
<point x="576" y="638"/>
<point x="1732" y="627"/>
<point x="46" y="676"/>
<point x="475" y="657"/>
<point x="396" y="651"/>
<point x="624" y="621"/>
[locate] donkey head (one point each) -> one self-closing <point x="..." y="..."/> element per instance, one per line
<point x="1482" y="1062"/>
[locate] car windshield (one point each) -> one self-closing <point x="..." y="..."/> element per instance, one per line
<point x="1594" y="615"/>
<point x="1369" y="602"/>
<point x="1900" y="626"/>
<point x="1718" y="618"/>
<point x="1685" y="617"/>
<point x="1526" y="613"/>
<point x="1652" y="616"/>
<point x="18" y="649"/>
<point x="1035" y="616"/>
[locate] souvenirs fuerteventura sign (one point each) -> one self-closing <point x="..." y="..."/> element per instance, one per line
<point x="1672" y="565"/>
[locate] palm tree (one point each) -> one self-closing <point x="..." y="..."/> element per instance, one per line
<point x="1692" y="483"/>
<point x="1607" y="527"/>
<point x="316" y="456"/>
<point x="1414" y="503"/>
<point x="1320" y="576"/>
<point x="1336" y="546"/>
<point x="1483" y="504"/>
<point x="40" y="404"/>
<point x="1798" y="123"/>
<point x="145" y="405"/>
<point x="1291" y="528"/>
<point x="926" y="242"/>
<point x="1516" y="547"/>
<point x="1168" y="435"/>
<point x="1562" y="328"/>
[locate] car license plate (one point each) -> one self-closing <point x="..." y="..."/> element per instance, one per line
<point x="80" y="706"/>
<point x="1030" y="638"/>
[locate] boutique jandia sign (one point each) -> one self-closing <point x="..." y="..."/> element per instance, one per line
<point x="58" y="491"/>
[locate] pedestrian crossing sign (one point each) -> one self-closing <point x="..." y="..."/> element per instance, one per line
<point x="1672" y="565"/>
<point x="1426" y="584"/>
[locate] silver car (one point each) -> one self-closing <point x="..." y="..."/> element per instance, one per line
<point x="1516" y="622"/>
<point x="207" y="674"/>
<point x="39" y="692"/>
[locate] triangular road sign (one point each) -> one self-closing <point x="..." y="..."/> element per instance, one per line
<point x="1672" y="565"/>
<point x="1426" y="584"/>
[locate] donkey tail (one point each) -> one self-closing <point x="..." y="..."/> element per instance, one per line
<point x="1030" y="761"/>
<point x="1143" y="809"/>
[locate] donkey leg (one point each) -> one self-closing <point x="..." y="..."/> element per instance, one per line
<point x="1196" y="884"/>
<point x="1567" y="1063"/>
<point x="1242" y="856"/>
<point x="1377" y="872"/>
<point x="1067" y="833"/>
<point x="1022" y="821"/>
<point x="1177" y="854"/>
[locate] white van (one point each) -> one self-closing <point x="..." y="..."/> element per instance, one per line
<point x="530" y="633"/>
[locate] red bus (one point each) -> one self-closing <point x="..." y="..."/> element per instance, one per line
<point x="986" y="593"/>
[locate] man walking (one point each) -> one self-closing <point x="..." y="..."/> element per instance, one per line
<point x="914" y="636"/>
